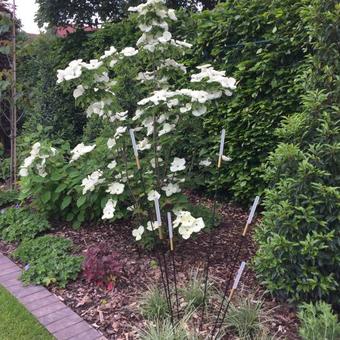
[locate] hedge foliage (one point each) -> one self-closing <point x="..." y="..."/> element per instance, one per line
<point x="299" y="239"/>
<point x="263" y="45"/>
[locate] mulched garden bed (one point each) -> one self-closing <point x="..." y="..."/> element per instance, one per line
<point x="115" y="313"/>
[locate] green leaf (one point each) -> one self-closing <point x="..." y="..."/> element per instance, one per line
<point x="81" y="200"/>
<point x="66" y="202"/>
<point x="46" y="196"/>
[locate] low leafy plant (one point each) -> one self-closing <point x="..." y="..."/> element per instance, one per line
<point x="248" y="317"/>
<point x="4" y="169"/>
<point x="8" y="197"/>
<point x="318" y="322"/>
<point x="48" y="261"/>
<point x="18" y="224"/>
<point x="153" y="304"/>
<point x="102" y="266"/>
<point x="193" y="292"/>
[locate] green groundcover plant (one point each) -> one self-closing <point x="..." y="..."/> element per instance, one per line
<point x="18" y="224"/>
<point x="102" y="175"/>
<point x="48" y="261"/>
<point x="299" y="237"/>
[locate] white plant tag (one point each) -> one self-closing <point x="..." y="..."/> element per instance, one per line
<point x="239" y="274"/>
<point x="253" y="209"/>
<point x="171" y="235"/>
<point x="158" y="212"/>
<point x="133" y="140"/>
<point x="222" y="143"/>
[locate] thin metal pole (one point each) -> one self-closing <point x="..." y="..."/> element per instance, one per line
<point x="240" y="246"/>
<point x="211" y="241"/>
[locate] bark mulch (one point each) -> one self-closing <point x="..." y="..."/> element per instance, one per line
<point x="115" y="313"/>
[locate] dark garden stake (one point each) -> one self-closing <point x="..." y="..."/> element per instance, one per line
<point x="231" y="294"/>
<point x="208" y="259"/>
<point x="172" y="251"/>
<point x="234" y="263"/>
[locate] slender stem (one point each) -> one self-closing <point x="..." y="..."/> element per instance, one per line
<point x="228" y="281"/>
<point x="175" y="280"/>
<point x="159" y="253"/>
<point x="208" y="260"/>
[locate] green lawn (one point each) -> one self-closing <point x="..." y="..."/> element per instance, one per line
<point x="16" y="323"/>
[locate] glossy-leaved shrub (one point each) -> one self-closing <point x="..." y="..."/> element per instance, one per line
<point x="48" y="260"/>
<point x="18" y="224"/>
<point x="102" y="266"/>
<point x="299" y="237"/>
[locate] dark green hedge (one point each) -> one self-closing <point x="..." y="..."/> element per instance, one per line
<point x="299" y="238"/>
<point x="263" y="45"/>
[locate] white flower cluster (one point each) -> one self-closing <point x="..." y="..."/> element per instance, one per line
<point x="155" y="27"/>
<point x="80" y="150"/>
<point x="109" y="210"/>
<point x="90" y="182"/>
<point x="212" y="76"/>
<point x="187" y="224"/>
<point x="74" y="69"/>
<point x="36" y="154"/>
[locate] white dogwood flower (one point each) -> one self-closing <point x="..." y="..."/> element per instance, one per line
<point x="120" y="130"/>
<point x="80" y="150"/>
<point x="152" y="195"/>
<point x="144" y="145"/>
<point x="112" y="165"/>
<point x="129" y="51"/>
<point x="151" y="226"/>
<point x="206" y="162"/>
<point x="171" y="188"/>
<point x="90" y="182"/>
<point x="79" y="91"/>
<point x="137" y="233"/>
<point x="109" y="210"/>
<point x="115" y="188"/>
<point x="178" y="164"/>
<point x="111" y="142"/>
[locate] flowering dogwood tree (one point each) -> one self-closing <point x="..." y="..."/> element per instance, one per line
<point x="155" y="120"/>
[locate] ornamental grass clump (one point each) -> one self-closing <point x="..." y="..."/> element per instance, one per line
<point x="161" y="110"/>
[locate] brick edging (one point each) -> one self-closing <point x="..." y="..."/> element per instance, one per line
<point x="61" y="321"/>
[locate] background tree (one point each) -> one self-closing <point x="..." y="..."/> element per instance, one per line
<point x="91" y="12"/>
